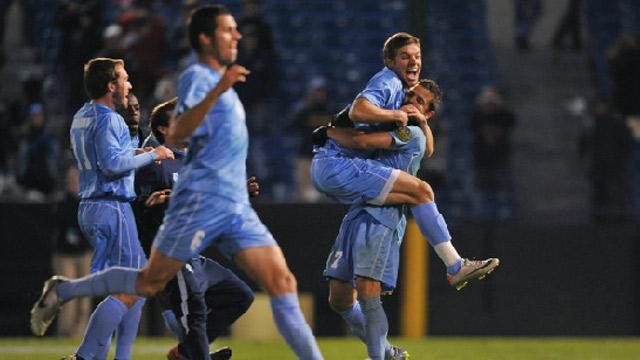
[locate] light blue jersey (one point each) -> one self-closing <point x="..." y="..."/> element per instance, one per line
<point x="101" y="144"/>
<point x="216" y="161"/>
<point x="383" y="90"/>
<point x="368" y="243"/>
<point x="344" y="174"/>
<point x="210" y="202"/>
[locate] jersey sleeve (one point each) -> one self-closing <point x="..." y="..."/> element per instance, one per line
<point x="407" y="136"/>
<point x="192" y="88"/>
<point x="382" y="90"/>
<point x="113" y="158"/>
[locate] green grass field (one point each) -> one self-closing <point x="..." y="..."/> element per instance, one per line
<point x="347" y="349"/>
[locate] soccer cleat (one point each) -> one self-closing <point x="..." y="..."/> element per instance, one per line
<point x="47" y="306"/>
<point x="73" y="357"/>
<point x="174" y="354"/>
<point x="472" y="269"/>
<point x="221" y="354"/>
<point x="398" y="354"/>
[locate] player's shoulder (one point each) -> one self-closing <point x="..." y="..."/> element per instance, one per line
<point x="197" y="72"/>
<point x="387" y="77"/>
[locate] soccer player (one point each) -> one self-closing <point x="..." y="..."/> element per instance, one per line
<point x="349" y="176"/>
<point x="102" y="147"/>
<point x="208" y="204"/>
<point x="206" y="297"/>
<point x="131" y="115"/>
<point x="364" y="259"/>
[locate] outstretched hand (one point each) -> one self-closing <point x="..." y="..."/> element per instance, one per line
<point x="158" y="197"/>
<point x="235" y="73"/>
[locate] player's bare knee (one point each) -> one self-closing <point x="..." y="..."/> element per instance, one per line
<point x="149" y="284"/>
<point x="367" y="288"/>
<point x="340" y="303"/>
<point x="425" y="193"/>
<point x="280" y="283"/>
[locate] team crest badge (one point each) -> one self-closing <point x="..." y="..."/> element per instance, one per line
<point x="403" y="133"/>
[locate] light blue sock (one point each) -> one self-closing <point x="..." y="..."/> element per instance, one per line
<point x="128" y="330"/>
<point x="293" y="327"/>
<point x="173" y="325"/>
<point x="355" y="318"/>
<point x="102" y="324"/>
<point x="376" y="327"/>
<point x="114" y="280"/>
<point x="431" y="223"/>
<point x="103" y="350"/>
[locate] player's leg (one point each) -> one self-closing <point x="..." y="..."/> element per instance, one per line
<point x="376" y="254"/>
<point x="342" y="299"/>
<point x="127" y="330"/>
<point x="339" y="271"/>
<point x="117" y="245"/>
<point x="268" y="267"/>
<point x="227" y="297"/>
<point x="251" y="245"/>
<point x="145" y="282"/>
<point x="188" y="304"/>
<point x="433" y="226"/>
<point x="376" y="323"/>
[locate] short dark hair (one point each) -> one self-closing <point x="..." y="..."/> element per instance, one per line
<point x="204" y="19"/>
<point x="395" y="42"/>
<point x="98" y="73"/>
<point x="160" y="117"/>
<point x="433" y="88"/>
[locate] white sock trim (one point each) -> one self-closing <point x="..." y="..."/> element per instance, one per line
<point x="447" y="253"/>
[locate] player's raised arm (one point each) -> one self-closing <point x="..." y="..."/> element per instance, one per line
<point x="185" y="124"/>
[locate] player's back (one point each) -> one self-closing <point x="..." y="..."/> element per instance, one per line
<point x="99" y="136"/>
<point x="216" y="160"/>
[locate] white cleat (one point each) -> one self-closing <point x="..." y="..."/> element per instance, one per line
<point x="472" y="269"/>
<point x="47" y="306"/>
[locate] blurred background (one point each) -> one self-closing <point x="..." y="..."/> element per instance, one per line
<point x="537" y="157"/>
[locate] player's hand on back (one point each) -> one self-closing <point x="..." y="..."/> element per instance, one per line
<point x="235" y="73"/>
<point x="163" y="153"/>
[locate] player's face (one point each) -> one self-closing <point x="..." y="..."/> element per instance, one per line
<point x="132" y="117"/>
<point x="419" y="97"/>
<point x="407" y="64"/>
<point x="225" y="49"/>
<point x="123" y="86"/>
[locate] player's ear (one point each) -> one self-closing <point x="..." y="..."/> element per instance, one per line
<point x="111" y="86"/>
<point x="430" y="115"/>
<point x="205" y="40"/>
